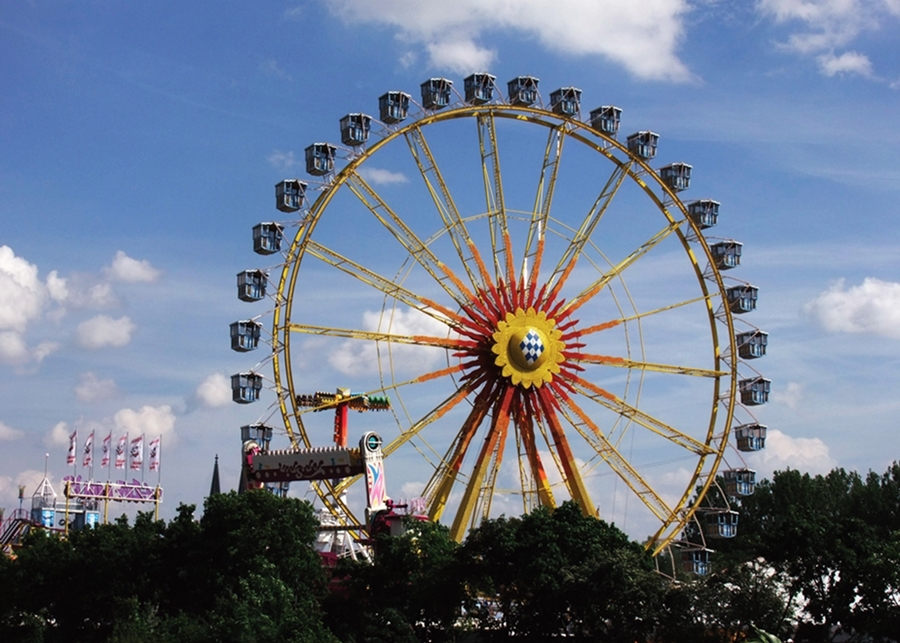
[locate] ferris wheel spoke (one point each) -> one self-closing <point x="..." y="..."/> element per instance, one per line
<point x="623" y="408"/>
<point x="390" y="338"/>
<point x="534" y="244"/>
<point x="496" y="206"/>
<point x="405" y="236"/>
<point x="488" y="460"/>
<point x="443" y="201"/>
<point x="563" y="309"/>
<point x="621" y="362"/>
<point x="582" y="236"/>
<point x="571" y="474"/>
<point x="525" y="430"/>
<point x="592" y="434"/>
<point x="441" y="484"/>
<point x="390" y="288"/>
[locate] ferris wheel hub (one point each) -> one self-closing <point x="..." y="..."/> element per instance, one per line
<point x="528" y="347"/>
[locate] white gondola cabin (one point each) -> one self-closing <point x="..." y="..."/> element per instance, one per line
<point x="606" y="119"/>
<point x="436" y="93"/>
<point x="479" y="88"/>
<point x="355" y="129"/>
<point x="705" y="213"/>
<point x="755" y="391"/>
<point x="676" y="176"/>
<point x="393" y="107"/>
<point x="251" y="285"/>
<point x="320" y="159"/>
<point x="750" y="437"/>
<point x="742" y="299"/>
<point x="259" y="433"/>
<point x="267" y="237"/>
<point x="721" y="523"/>
<point x="643" y="144"/>
<point x="245" y="387"/>
<point x="752" y="344"/>
<point x="245" y="335"/>
<point x="695" y="560"/>
<point x="739" y="482"/>
<point x="727" y="254"/>
<point x="522" y="90"/>
<point x="289" y="195"/>
<point x="566" y="101"/>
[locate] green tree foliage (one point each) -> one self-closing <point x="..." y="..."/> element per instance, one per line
<point x="833" y="542"/>
<point x="412" y="591"/>
<point x="719" y="607"/>
<point x="551" y="573"/>
<point x="245" y="573"/>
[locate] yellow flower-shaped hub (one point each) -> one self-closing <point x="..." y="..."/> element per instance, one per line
<point x="528" y="347"/>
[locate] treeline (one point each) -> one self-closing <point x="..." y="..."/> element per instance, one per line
<point x="817" y="559"/>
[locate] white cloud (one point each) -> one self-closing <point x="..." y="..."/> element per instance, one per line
<point x="850" y="62"/>
<point x="58" y="436"/>
<point x="150" y="421"/>
<point x="92" y="389"/>
<point x="124" y="268"/>
<point x="214" y="391"/>
<point x="356" y="357"/>
<point x="101" y="331"/>
<point x="809" y="455"/>
<point x="382" y="177"/>
<point x="12" y="348"/>
<point x="460" y="56"/>
<point x="9" y="433"/>
<point x="642" y="37"/>
<point x="790" y="396"/>
<point x="826" y="25"/>
<point x="22" y="295"/>
<point x="282" y="161"/>
<point x="872" y="308"/>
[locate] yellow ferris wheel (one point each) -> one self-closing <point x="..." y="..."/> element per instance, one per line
<point x="546" y="315"/>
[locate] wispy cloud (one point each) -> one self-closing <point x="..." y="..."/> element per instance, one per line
<point x="382" y="177"/>
<point x="823" y="26"/>
<point x="91" y="388"/>
<point x="9" y="433"/>
<point x="283" y="161"/>
<point x="271" y="68"/>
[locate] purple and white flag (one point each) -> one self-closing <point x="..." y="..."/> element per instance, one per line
<point x="137" y="453"/>
<point x="104" y="449"/>
<point x="154" y="454"/>
<point x="88" y="460"/>
<point x="120" y="451"/>
<point x="73" y="447"/>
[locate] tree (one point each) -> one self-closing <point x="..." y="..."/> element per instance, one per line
<point x="412" y="590"/>
<point x="833" y="540"/>
<point x="560" y="572"/>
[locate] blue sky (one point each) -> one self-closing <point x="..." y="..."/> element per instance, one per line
<point x="140" y="142"/>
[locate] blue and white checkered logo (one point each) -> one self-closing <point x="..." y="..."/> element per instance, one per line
<point x="531" y="347"/>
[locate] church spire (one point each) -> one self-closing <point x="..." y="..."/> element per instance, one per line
<point x="214" y="488"/>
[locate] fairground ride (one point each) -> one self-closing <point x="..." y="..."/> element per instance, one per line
<point x="548" y="317"/>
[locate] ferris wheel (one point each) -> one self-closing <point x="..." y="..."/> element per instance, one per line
<point x="547" y="316"/>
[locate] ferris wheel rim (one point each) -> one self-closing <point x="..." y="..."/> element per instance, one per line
<point x="573" y="129"/>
